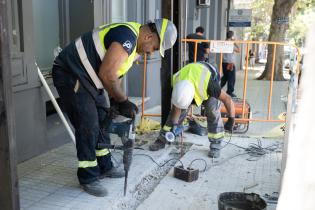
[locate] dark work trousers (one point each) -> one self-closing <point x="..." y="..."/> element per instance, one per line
<point x="214" y="122"/>
<point x="229" y="78"/>
<point x="86" y="112"/>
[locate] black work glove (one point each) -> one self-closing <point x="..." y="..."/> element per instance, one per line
<point x="229" y="124"/>
<point x="113" y="111"/>
<point x="127" y="109"/>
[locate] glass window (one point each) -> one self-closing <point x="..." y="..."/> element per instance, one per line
<point x="46" y="32"/>
<point x="16" y="24"/>
<point x="118" y="11"/>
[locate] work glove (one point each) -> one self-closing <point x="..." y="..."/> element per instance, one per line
<point x="127" y="109"/>
<point x="229" y="124"/>
<point x="177" y="129"/>
<point x="113" y="110"/>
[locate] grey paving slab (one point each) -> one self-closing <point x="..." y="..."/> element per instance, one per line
<point x="231" y="172"/>
<point x="53" y="184"/>
<point x="49" y="181"/>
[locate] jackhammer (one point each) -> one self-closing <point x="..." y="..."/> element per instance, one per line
<point x="125" y="129"/>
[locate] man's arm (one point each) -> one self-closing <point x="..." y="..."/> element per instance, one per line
<point x="175" y="114"/>
<point x="108" y="73"/>
<point x="206" y="47"/>
<point x="207" y="50"/>
<point x="228" y="103"/>
<point x="236" y="48"/>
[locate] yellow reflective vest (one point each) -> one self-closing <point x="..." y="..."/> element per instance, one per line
<point x="98" y="36"/>
<point x="199" y="75"/>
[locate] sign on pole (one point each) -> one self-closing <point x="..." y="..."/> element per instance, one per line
<point x="240" y="18"/>
<point x="221" y="47"/>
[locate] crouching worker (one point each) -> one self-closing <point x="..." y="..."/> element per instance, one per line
<point x="198" y="83"/>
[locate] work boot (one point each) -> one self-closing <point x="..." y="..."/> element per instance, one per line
<point x="214" y="153"/>
<point x="95" y="188"/>
<point x="113" y="173"/>
<point x="157" y="145"/>
<point x="215" y="147"/>
<point x="233" y="95"/>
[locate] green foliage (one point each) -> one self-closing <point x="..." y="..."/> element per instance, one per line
<point x="303" y="14"/>
<point x="261" y="19"/>
<point x="303" y="18"/>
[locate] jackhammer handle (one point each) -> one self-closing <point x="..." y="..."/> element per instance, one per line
<point x="110" y="146"/>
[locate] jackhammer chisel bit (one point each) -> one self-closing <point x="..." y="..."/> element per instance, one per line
<point x="127" y="158"/>
<point x="124" y="128"/>
<point x="128" y="151"/>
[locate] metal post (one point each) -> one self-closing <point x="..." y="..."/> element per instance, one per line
<point x="144" y="84"/>
<point x="9" y="193"/>
<point x="170" y="62"/>
<point x="228" y="15"/>
<point x="55" y="104"/>
<point x="271" y="80"/>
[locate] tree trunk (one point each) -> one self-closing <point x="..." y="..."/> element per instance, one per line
<point x="279" y="25"/>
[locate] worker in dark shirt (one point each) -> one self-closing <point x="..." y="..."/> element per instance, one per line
<point x="87" y="72"/>
<point x="198" y="83"/>
<point x="202" y="48"/>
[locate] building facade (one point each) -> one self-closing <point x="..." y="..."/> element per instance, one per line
<point x="40" y="27"/>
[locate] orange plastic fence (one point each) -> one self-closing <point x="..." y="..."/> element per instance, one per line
<point x="196" y="41"/>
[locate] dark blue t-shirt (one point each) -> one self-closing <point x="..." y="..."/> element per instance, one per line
<point x="122" y="35"/>
<point x="70" y="60"/>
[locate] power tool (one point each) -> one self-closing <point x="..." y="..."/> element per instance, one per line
<point x="171" y="135"/>
<point x="241" y="126"/>
<point x="125" y="129"/>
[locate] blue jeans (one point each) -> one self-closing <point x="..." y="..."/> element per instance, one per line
<point x="229" y="78"/>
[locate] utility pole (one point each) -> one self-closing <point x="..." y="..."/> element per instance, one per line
<point x="9" y="192"/>
<point x="170" y="62"/>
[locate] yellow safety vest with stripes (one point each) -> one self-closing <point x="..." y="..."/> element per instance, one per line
<point x="199" y="75"/>
<point x="98" y="38"/>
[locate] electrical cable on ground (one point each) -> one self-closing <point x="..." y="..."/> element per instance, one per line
<point x="255" y="150"/>
<point x="206" y="165"/>
<point x="157" y="162"/>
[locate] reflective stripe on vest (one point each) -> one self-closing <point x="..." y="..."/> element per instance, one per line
<point x="98" y="39"/>
<point x="101" y="152"/>
<point x="86" y="164"/>
<point x="199" y="75"/>
<point x="87" y="65"/>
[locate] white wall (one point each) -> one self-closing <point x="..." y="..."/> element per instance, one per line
<point x="298" y="184"/>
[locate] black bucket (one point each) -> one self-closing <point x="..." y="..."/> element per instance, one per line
<point x="241" y="201"/>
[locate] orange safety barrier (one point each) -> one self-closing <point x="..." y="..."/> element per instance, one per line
<point x="196" y="41"/>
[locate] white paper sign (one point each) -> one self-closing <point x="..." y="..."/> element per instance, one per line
<point x="222" y="47"/>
